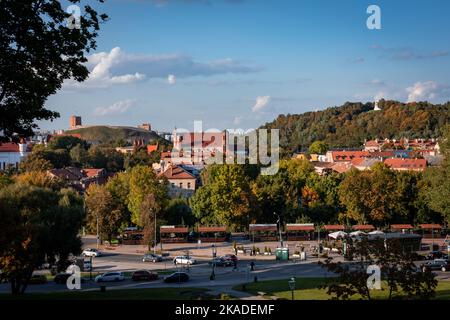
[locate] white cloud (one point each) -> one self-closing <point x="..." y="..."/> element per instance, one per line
<point x="119" y="67"/>
<point x="261" y="103"/>
<point x="428" y="90"/>
<point x="118" y="107"/>
<point x="171" y="79"/>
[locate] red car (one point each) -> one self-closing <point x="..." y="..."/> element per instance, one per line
<point x="144" y="275"/>
<point x="231" y="257"/>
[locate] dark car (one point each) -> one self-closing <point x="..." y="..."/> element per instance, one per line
<point x="144" y="275"/>
<point x="177" y="277"/>
<point x="221" y="262"/>
<point x="61" y="278"/>
<point x="436" y="255"/>
<point x="151" y="257"/>
<point x="437" y="264"/>
<point x="231" y="257"/>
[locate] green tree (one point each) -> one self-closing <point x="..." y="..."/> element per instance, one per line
<point x="143" y="181"/>
<point x="37" y="53"/>
<point x="318" y="147"/>
<point x="102" y="210"/>
<point x="37" y="224"/>
<point x="79" y="156"/>
<point x="66" y="142"/>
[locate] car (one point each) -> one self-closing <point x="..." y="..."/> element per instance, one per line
<point x="151" y="257"/>
<point x="61" y="278"/>
<point x="177" y="277"/>
<point x="109" y="277"/>
<point x="435" y="255"/>
<point x="144" y="275"/>
<point x="231" y="257"/>
<point x="91" y="253"/>
<point x="436" y="264"/>
<point x="38" y="279"/>
<point x="221" y="262"/>
<point x="184" y="260"/>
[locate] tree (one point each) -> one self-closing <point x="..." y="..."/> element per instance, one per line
<point x="35" y="161"/>
<point x="150" y="210"/>
<point x="178" y="212"/>
<point x="66" y="142"/>
<point x="139" y="158"/>
<point x="143" y="181"/>
<point x="438" y="180"/>
<point x="318" y="147"/>
<point x="40" y="179"/>
<point x="119" y="187"/>
<point x="396" y="265"/>
<point x="370" y="196"/>
<point x="102" y="211"/>
<point x="37" y="224"/>
<point x="37" y="53"/>
<point x="79" y="156"/>
<point x="230" y="201"/>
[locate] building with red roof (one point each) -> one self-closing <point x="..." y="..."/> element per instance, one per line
<point x="402" y="164"/>
<point x="11" y="154"/>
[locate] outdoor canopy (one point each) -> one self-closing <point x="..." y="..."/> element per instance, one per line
<point x="337" y="234"/>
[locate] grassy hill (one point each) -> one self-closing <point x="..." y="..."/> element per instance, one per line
<point x="349" y="125"/>
<point x="107" y="134"/>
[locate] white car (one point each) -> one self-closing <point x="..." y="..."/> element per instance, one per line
<point x="91" y="253"/>
<point x="110" y="276"/>
<point x="183" y="260"/>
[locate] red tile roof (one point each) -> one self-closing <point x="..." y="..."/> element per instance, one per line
<point x="363" y="227"/>
<point x="430" y="226"/>
<point x="176" y="172"/>
<point x="348" y="155"/>
<point x="299" y="227"/>
<point x="401" y="226"/>
<point x="212" y="229"/>
<point x="261" y="227"/>
<point x="334" y="227"/>
<point x="341" y="167"/>
<point x="406" y="164"/>
<point x="9" y="147"/>
<point x="172" y="229"/>
<point x="92" y="172"/>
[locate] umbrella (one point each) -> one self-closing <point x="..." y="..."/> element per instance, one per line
<point x="357" y="233"/>
<point x="337" y="234"/>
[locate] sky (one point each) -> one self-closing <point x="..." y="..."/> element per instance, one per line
<point x="241" y="63"/>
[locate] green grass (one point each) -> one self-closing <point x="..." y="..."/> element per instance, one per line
<point x="307" y="289"/>
<point x="133" y="294"/>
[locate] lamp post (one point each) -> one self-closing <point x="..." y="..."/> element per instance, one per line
<point x="154" y="245"/>
<point x="279" y="228"/>
<point x="292" y="286"/>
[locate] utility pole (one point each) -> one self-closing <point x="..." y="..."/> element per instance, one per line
<point x="98" y="237"/>
<point x="154" y="246"/>
<point x="279" y="228"/>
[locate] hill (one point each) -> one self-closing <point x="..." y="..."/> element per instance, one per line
<point x="349" y="125"/>
<point x="107" y="134"/>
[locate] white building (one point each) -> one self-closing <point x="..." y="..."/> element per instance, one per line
<point x="11" y="154"/>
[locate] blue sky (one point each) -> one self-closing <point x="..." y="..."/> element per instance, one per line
<point x="240" y="63"/>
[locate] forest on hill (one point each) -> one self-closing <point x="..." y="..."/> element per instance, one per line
<point x="347" y="126"/>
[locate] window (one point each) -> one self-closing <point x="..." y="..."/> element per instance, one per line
<point x="173" y="185"/>
<point x="189" y="185"/>
<point x="181" y="184"/>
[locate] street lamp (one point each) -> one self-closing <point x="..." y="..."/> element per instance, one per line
<point x="292" y="286"/>
<point x="279" y="228"/>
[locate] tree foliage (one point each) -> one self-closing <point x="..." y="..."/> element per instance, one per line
<point x="37" y="53"/>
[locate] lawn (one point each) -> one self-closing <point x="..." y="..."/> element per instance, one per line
<point x="307" y="289"/>
<point x="133" y="294"/>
